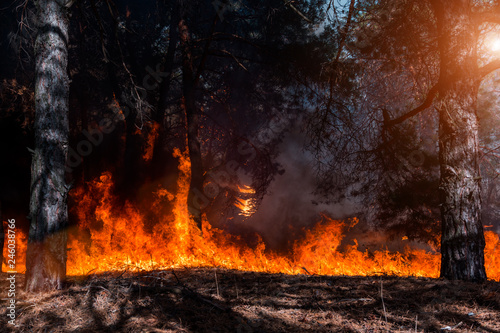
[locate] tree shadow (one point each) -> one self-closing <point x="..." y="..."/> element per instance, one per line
<point x="189" y="300"/>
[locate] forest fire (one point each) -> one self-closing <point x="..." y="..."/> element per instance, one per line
<point x="259" y="166"/>
<point x="246" y="206"/>
<point x="111" y="237"/>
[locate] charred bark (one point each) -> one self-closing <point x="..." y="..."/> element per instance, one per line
<point x="158" y="158"/>
<point x="195" y="197"/>
<point x="168" y="68"/>
<point x="462" y="240"/>
<point x="46" y="253"/>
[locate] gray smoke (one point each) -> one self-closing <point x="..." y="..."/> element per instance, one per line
<point x="290" y="203"/>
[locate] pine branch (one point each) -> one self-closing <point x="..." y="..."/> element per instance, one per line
<point x="427" y="102"/>
<point x="488" y="68"/>
<point x="289" y="3"/>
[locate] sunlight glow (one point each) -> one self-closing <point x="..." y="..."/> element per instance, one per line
<point x="494" y="44"/>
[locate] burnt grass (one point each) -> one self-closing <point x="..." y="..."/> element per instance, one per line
<point x="192" y="300"/>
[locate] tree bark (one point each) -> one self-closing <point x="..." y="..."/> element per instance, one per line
<point x="158" y="159"/>
<point x="168" y="68"/>
<point x="462" y="241"/>
<point x="196" y="202"/>
<point x="46" y="253"/>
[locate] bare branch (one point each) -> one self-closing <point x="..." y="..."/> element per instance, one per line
<point x="488" y="68"/>
<point x="204" y="56"/>
<point x="289" y="3"/>
<point x="488" y="17"/>
<point x="235" y="59"/>
<point x="345" y="30"/>
<point x="428" y="102"/>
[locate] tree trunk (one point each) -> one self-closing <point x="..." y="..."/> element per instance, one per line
<point x="196" y="200"/>
<point x="462" y="242"/>
<point x="46" y="253"/>
<point x="158" y="160"/>
<point x="168" y="69"/>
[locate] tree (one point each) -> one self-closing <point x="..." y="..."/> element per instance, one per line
<point x="192" y="124"/>
<point x="228" y="88"/>
<point x="416" y="55"/>
<point x="462" y="239"/>
<point x="46" y="253"/>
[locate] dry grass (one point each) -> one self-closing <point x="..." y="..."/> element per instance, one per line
<point x="187" y="301"/>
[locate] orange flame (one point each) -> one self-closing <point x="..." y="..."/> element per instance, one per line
<point x="120" y="240"/>
<point x="114" y="236"/>
<point x="19" y="255"/>
<point x="492" y="255"/>
<point x="246" y="189"/>
<point x="247" y="206"/>
<point x="150" y="142"/>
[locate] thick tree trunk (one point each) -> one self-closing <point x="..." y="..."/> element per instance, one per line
<point x="159" y="153"/>
<point x="46" y="253"/>
<point x="462" y="242"/>
<point x="195" y="198"/>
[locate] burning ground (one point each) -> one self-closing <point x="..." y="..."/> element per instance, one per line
<point x="220" y="300"/>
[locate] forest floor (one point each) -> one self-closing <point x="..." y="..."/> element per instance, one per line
<point x="209" y="300"/>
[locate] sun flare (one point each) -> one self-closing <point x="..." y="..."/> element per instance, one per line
<point x="494" y="44"/>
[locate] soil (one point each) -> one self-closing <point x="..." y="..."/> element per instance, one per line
<point x="216" y="300"/>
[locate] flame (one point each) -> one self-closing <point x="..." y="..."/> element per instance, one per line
<point x="116" y="236"/>
<point x="150" y="142"/>
<point x="492" y="255"/>
<point x="247" y="206"/>
<point x="318" y="253"/>
<point x="246" y="189"/>
<point x="120" y="239"/>
<point x="20" y="251"/>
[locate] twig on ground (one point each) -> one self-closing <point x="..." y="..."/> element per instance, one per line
<point x="449" y="328"/>
<point x="217" y="283"/>
<point x="382" y="297"/>
<point x="186" y="291"/>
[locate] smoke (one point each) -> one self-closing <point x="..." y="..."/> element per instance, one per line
<point x="291" y="204"/>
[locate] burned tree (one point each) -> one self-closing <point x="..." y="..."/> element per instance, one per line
<point x="46" y="253"/>
<point x="192" y="125"/>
